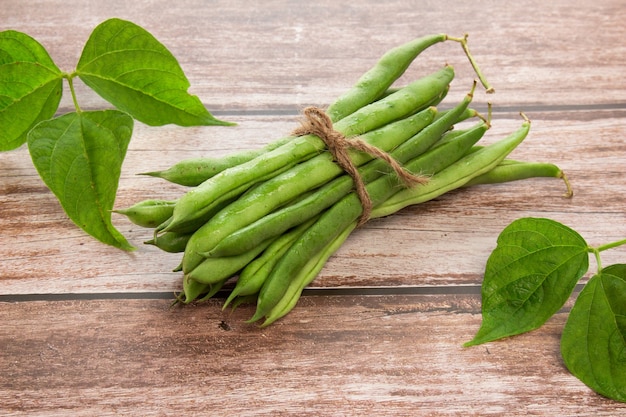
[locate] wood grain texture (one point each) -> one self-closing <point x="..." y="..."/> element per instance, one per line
<point x="349" y="356"/>
<point x="288" y="54"/>
<point x="87" y="330"/>
<point x="43" y="252"/>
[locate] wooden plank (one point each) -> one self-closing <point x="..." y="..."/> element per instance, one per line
<point x="283" y="54"/>
<point x="348" y="355"/>
<point x="43" y="252"/>
<point x="396" y="351"/>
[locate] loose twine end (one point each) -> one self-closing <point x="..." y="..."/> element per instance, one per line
<point x="316" y="122"/>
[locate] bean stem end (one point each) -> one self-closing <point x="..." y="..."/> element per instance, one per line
<point x="463" y="41"/>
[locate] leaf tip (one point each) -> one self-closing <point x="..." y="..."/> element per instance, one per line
<point x="130" y="248"/>
<point x="212" y="121"/>
<point x="150" y="174"/>
<point x="474" y="342"/>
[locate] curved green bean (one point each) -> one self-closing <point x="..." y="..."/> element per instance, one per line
<point x="253" y="275"/>
<point x="472" y="165"/>
<point x="374" y="82"/>
<point x="511" y="170"/>
<point x="305" y="276"/>
<point x="198" y="201"/>
<point x="347" y="210"/>
<point x="192" y="172"/>
<point x="274" y="223"/>
<point x="148" y="213"/>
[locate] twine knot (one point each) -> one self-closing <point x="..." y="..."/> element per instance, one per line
<point x="316" y="122"/>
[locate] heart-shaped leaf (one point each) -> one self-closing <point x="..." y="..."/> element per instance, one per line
<point x="31" y="86"/>
<point x="131" y="69"/>
<point x="529" y="276"/>
<point x="593" y="343"/>
<point x="79" y="156"/>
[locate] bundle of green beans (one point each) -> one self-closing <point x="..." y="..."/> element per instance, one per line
<point x="269" y="219"/>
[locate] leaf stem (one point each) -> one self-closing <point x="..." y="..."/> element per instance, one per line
<point x="596" y="254"/>
<point x="611" y="245"/>
<point x="596" y="251"/>
<point x="479" y="73"/>
<point x="70" y="81"/>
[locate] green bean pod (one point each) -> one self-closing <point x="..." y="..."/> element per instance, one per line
<point x="374" y="82"/>
<point x="148" y="213"/>
<point x="274" y="223"/>
<point x="305" y="276"/>
<point x="339" y="216"/>
<point x="198" y="201"/>
<point x="170" y="242"/>
<point x="192" y="172"/>
<point x="377" y="81"/>
<point x="253" y="275"/>
<point x="309" y="175"/>
<point x="457" y="175"/>
<point x="511" y="170"/>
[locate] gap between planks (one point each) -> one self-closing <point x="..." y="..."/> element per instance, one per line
<point x="500" y="109"/>
<point x="308" y="292"/>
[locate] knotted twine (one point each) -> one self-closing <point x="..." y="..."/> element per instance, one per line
<point x="316" y="122"/>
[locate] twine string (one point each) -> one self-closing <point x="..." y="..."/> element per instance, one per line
<point x="316" y="122"/>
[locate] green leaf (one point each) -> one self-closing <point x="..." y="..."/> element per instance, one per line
<point x="128" y="67"/>
<point x="593" y="344"/>
<point x="529" y="276"/>
<point x="31" y="86"/>
<point x="79" y="156"/>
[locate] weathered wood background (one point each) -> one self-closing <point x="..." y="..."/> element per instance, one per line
<point x="87" y="330"/>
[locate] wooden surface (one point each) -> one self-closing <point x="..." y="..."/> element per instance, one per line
<point x="87" y="330"/>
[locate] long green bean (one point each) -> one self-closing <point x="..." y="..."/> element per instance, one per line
<point x="247" y="236"/>
<point x="254" y="274"/>
<point x="339" y="216"/>
<point x="307" y="176"/>
<point x="198" y="201"/>
<point x="273" y="193"/>
<point x="192" y="172"/>
<point x="512" y="170"/>
<point x="457" y="175"/>
<point x="374" y="82"/>
<point x="305" y="276"/>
